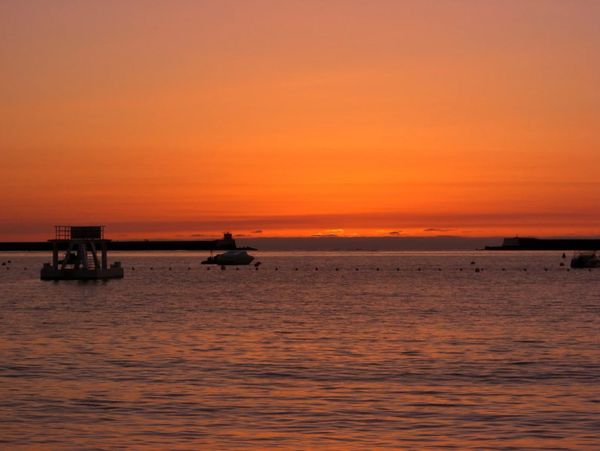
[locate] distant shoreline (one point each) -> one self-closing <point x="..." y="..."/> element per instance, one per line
<point x="334" y="244"/>
<point x="142" y="245"/>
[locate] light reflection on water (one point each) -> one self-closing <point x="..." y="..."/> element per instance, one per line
<point x="303" y="358"/>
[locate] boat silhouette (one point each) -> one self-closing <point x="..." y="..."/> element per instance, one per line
<point x="237" y="257"/>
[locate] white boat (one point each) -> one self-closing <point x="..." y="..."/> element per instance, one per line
<point x="585" y="260"/>
<point x="230" y="258"/>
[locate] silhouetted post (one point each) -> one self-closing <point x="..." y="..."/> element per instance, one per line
<point x="104" y="258"/>
<point x="55" y="255"/>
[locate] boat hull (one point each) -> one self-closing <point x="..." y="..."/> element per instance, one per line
<point x="227" y="262"/>
<point x="230" y="258"/>
<point x="585" y="262"/>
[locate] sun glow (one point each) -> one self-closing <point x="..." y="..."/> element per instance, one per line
<point x="300" y="118"/>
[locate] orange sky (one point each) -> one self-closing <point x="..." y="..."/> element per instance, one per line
<point x="174" y="119"/>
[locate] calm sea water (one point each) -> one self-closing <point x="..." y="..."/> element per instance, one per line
<point x="303" y="358"/>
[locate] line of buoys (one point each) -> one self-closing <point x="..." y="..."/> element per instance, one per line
<point x="337" y="269"/>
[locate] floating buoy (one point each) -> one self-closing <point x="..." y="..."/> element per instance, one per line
<point x="276" y="268"/>
<point x="237" y="269"/>
<point x="151" y="268"/>
<point x="564" y="255"/>
<point x="208" y="268"/>
<point x="439" y="269"/>
<point x="295" y="269"/>
<point x="524" y="269"/>
<point x="561" y="264"/>
<point x="377" y="269"/>
<point x="473" y="263"/>
<point x="418" y="269"/>
<point x="545" y="269"/>
<point x="357" y="269"/>
<point x="337" y="269"/>
<point x="223" y="268"/>
<point x="460" y="269"/>
<point x="476" y="269"/>
<point x="189" y="268"/>
<point x="169" y="268"/>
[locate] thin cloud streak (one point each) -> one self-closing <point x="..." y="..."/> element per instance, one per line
<point x="330" y="224"/>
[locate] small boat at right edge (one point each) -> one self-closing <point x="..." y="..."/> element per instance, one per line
<point x="585" y="260"/>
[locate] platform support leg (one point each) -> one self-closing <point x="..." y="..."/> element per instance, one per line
<point x="104" y="259"/>
<point x="55" y="255"/>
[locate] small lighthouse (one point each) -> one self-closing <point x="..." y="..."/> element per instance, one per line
<point x="85" y="256"/>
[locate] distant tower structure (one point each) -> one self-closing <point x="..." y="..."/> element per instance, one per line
<point x="227" y="242"/>
<point x="81" y="260"/>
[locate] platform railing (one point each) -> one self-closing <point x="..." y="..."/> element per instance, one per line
<point x="64" y="232"/>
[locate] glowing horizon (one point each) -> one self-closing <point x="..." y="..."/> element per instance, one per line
<point x="300" y="118"/>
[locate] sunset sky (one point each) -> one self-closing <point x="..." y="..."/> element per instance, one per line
<point x="299" y="118"/>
